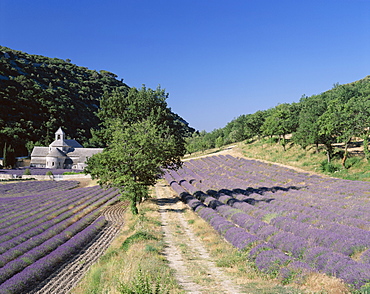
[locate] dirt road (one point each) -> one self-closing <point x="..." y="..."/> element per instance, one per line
<point x="193" y="266"/>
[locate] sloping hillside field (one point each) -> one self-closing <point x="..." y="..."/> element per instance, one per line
<point x="291" y="223"/>
<point x="42" y="224"/>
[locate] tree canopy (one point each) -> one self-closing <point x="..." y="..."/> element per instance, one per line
<point x="144" y="138"/>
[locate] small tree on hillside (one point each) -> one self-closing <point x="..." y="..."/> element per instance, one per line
<point x="346" y="119"/>
<point x="9" y="159"/>
<point x="254" y="123"/>
<point x="308" y="131"/>
<point x="283" y="120"/>
<point x="5" y="156"/>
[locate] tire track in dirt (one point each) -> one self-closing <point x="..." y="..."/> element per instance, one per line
<point x="69" y="274"/>
<point x="185" y="251"/>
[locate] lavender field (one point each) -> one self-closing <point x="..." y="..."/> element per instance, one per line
<point x="291" y="223"/>
<point x="18" y="172"/>
<point x="42" y="224"/>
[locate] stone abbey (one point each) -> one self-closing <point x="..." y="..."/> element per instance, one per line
<point x="62" y="154"/>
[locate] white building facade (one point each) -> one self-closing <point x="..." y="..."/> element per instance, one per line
<point x="62" y="154"/>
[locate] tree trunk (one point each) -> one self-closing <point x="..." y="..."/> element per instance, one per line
<point x="283" y="143"/>
<point x="328" y="156"/>
<point x="345" y="156"/>
<point x="329" y="151"/>
<point x="133" y="207"/>
<point x="366" y="147"/>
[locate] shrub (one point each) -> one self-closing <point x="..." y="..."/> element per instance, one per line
<point x="328" y="167"/>
<point x="49" y="173"/>
<point x="138" y="236"/>
<point x="73" y="173"/>
<point x="143" y="284"/>
<point x="352" y="161"/>
<point x="27" y="171"/>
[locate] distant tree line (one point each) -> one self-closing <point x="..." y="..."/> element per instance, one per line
<point x="336" y="116"/>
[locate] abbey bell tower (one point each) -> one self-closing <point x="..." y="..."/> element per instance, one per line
<point x="59" y="134"/>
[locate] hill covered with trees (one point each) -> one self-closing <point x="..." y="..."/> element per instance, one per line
<point x="339" y="115"/>
<point x="39" y="94"/>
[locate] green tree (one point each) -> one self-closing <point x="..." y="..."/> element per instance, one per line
<point x="361" y="113"/>
<point x="346" y="116"/>
<point x="357" y="119"/>
<point x="219" y="142"/>
<point x="5" y="156"/>
<point x="283" y="120"/>
<point x="145" y="138"/>
<point x="235" y="130"/>
<point x="254" y="122"/>
<point x="9" y="159"/>
<point x="193" y="143"/>
<point x="308" y="127"/>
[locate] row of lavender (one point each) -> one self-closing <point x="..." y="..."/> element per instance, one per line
<point x="36" y="171"/>
<point x="37" y="232"/>
<point x="291" y="222"/>
<point x="34" y="187"/>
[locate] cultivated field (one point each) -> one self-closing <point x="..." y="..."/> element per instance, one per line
<point x="43" y="224"/>
<point x="292" y="224"/>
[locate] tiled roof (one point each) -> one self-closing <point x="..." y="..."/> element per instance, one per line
<point x="73" y="143"/>
<point x="55" y="152"/>
<point x="40" y="151"/>
<point x="66" y="143"/>
<point x="84" y="152"/>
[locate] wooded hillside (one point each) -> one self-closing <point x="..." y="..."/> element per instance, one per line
<point x="339" y="115"/>
<point x="39" y="94"/>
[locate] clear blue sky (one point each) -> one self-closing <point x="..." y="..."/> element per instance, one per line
<point x="217" y="59"/>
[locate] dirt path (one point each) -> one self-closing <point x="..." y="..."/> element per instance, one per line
<point x="66" y="277"/>
<point x="193" y="266"/>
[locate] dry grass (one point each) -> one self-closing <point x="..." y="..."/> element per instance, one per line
<point x="86" y="182"/>
<point x="323" y="284"/>
<point x="294" y="156"/>
<point x="307" y="160"/>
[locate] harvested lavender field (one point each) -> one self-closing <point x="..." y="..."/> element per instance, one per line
<point x="40" y="231"/>
<point x="291" y="223"/>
